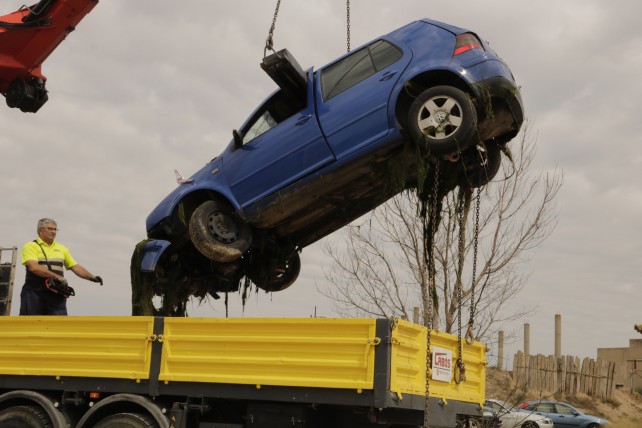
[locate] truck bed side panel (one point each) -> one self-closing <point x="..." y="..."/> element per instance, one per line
<point x="98" y="347"/>
<point x="408" y="364"/>
<point x="325" y="353"/>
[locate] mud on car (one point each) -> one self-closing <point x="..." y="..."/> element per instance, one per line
<point x="327" y="147"/>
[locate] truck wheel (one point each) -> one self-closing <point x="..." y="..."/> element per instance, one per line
<point x="442" y="120"/>
<point x="217" y="233"/>
<point x="127" y="420"/>
<point x="24" y="417"/>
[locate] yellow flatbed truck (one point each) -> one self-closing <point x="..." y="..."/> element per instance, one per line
<point x="144" y="372"/>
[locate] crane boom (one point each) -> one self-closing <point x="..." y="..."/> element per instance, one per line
<point x="27" y="37"/>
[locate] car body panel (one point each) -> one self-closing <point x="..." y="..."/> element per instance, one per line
<point x="304" y="165"/>
<point x="264" y="164"/>
<point x="153" y="251"/>
<point x="562" y="414"/>
<point x="512" y="418"/>
<point x="254" y="172"/>
<point x="350" y="126"/>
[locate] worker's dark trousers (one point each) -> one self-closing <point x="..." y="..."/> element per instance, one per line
<point x="41" y="302"/>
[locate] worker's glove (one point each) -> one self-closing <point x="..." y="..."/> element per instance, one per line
<point x="96" y="278"/>
<point x="60" y="280"/>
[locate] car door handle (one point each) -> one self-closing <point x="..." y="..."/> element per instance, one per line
<point x="303" y="119"/>
<point x="387" y="75"/>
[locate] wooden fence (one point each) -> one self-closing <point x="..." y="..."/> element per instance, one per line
<point x="564" y="375"/>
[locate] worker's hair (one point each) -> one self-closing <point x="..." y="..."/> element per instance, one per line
<point x="43" y="221"/>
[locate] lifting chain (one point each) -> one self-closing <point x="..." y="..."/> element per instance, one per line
<point x="428" y="316"/>
<point x="459" y="365"/>
<point x="269" y="42"/>
<point x="473" y="303"/>
<point x="348" y="23"/>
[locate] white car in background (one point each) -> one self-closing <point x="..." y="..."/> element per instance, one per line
<point x="516" y="419"/>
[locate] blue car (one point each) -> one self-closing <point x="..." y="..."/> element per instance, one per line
<point x="563" y="415"/>
<point x="331" y="145"/>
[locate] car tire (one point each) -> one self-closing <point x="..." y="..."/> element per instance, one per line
<point x="480" y="164"/>
<point x="530" y="424"/>
<point x="442" y="119"/>
<point x="474" y="423"/>
<point x="217" y="233"/>
<point x="275" y="275"/>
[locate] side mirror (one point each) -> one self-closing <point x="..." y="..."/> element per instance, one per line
<point x="238" y="141"/>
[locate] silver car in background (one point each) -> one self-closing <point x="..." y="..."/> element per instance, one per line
<point x="515" y="419"/>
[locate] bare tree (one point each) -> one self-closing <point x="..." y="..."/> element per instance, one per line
<point x="380" y="262"/>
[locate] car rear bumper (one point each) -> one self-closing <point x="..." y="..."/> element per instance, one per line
<point x="500" y="110"/>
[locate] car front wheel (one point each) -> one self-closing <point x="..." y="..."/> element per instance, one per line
<point x="443" y="120"/>
<point x="217" y="233"/>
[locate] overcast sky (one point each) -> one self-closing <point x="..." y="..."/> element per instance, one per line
<point x="143" y="87"/>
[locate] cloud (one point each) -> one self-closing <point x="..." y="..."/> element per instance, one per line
<point x="141" y="88"/>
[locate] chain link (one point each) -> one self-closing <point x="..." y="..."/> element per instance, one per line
<point x="458" y="285"/>
<point x="428" y="322"/>
<point x="473" y="303"/>
<point x="348" y="23"/>
<point x="269" y="42"/>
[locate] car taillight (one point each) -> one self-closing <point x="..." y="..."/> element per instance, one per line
<point x="523" y="405"/>
<point x="466" y="42"/>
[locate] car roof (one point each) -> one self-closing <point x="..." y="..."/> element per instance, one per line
<point x="453" y="29"/>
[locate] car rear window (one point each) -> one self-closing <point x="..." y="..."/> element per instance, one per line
<point x="357" y="67"/>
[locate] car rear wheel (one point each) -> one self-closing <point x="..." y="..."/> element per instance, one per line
<point x="471" y="423"/>
<point x="480" y="164"/>
<point x="530" y="424"/>
<point x="217" y="233"/>
<point x="275" y="273"/>
<point x="443" y="120"/>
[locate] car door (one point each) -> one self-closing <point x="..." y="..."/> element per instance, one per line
<point x="353" y="94"/>
<point x="280" y="144"/>
<point x="567" y="417"/>
<point x="548" y="410"/>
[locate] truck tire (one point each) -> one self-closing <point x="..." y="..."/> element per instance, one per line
<point x="24" y="417"/>
<point x="127" y="420"/>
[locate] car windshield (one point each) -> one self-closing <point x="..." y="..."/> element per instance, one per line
<point x="497" y="407"/>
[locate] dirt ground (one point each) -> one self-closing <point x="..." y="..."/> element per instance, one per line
<point x="623" y="410"/>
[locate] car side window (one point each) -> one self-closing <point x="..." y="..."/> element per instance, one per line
<point x="357" y="67"/>
<point x="563" y="410"/>
<point x="275" y="110"/>
<point x="546" y="408"/>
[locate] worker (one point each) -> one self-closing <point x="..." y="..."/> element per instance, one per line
<point x="44" y="259"/>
